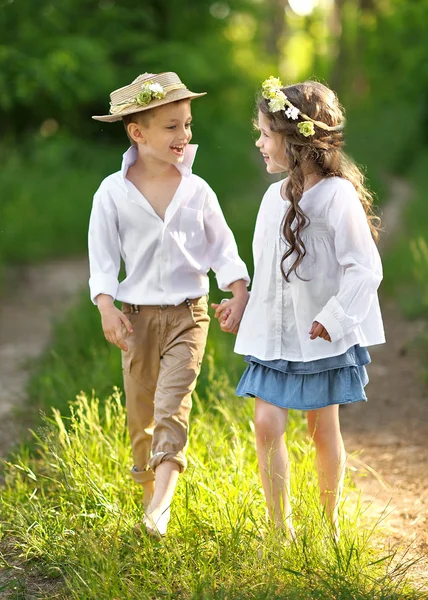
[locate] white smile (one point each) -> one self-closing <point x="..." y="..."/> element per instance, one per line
<point x="178" y="149"/>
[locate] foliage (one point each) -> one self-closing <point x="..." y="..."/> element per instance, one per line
<point x="406" y="265"/>
<point x="68" y="57"/>
<point x="384" y="80"/>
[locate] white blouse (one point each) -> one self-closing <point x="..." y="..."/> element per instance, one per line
<point x="166" y="261"/>
<point x="340" y="277"/>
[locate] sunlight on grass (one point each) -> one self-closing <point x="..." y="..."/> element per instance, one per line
<point x="70" y="509"/>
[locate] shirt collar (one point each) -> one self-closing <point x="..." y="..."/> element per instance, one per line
<point x="185" y="167"/>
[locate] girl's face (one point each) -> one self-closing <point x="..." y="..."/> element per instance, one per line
<point x="271" y="145"/>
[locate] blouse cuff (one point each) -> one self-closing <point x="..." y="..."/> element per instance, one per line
<point x="229" y="274"/>
<point x="331" y="317"/>
<point x="101" y="283"/>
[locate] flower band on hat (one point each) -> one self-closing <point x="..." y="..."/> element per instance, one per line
<point x="150" y="91"/>
<point x="277" y="100"/>
<point x="147" y="91"/>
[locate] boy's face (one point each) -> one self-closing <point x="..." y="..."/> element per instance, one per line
<point x="271" y="145"/>
<point x="166" y="133"/>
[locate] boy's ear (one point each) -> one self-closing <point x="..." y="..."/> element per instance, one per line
<point x="135" y="133"/>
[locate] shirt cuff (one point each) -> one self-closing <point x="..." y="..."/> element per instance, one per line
<point x="103" y="284"/>
<point x="330" y="317"/>
<point x="229" y="274"/>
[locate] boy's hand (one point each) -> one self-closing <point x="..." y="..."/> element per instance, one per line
<point x="318" y="330"/>
<point x="229" y="312"/>
<point x="115" y="324"/>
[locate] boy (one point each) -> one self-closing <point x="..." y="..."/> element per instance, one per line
<point x="168" y="228"/>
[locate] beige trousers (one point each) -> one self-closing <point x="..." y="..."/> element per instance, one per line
<point x="160" y="369"/>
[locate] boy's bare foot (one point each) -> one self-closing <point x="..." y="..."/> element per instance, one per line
<point x="156" y="523"/>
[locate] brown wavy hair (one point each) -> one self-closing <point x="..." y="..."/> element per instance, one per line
<point x="323" y="151"/>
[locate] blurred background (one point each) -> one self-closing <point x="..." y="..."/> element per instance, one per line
<point x="60" y="60"/>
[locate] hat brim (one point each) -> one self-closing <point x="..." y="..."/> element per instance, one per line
<point x="173" y="96"/>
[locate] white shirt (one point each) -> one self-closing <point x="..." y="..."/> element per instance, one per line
<point x="166" y="261"/>
<point x="343" y="270"/>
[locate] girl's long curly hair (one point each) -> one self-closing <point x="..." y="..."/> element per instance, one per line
<point x="323" y="151"/>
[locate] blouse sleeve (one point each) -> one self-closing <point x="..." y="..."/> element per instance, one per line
<point x="356" y="252"/>
<point x="259" y="237"/>
<point x="104" y="249"/>
<point x="222" y="249"/>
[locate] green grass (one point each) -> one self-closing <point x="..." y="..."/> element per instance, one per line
<point x="71" y="508"/>
<point x="69" y="505"/>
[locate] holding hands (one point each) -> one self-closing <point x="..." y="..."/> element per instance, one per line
<point x="229" y="312"/>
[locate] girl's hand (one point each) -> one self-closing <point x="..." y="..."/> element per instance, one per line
<point x="223" y="323"/>
<point x="318" y="330"/>
<point x="229" y="312"/>
<point x="115" y="326"/>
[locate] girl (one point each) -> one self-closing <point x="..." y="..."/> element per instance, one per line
<point x="313" y="307"/>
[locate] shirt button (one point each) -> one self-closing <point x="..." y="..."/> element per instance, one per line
<point x="165" y="260"/>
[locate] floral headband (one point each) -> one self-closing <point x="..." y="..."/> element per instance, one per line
<point x="271" y="90"/>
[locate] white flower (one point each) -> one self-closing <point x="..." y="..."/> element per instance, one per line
<point x="156" y="87"/>
<point x="277" y="102"/>
<point x="157" y="91"/>
<point x="153" y="90"/>
<point x="292" y="112"/>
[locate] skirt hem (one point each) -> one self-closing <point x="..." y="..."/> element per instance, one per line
<point x="341" y="402"/>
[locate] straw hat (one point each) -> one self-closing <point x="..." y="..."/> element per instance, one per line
<point x="146" y="92"/>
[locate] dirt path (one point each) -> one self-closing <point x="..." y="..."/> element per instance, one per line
<point x="33" y="297"/>
<point x="390" y="432"/>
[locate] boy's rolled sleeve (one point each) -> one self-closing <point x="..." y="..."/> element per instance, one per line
<point x="222" y="249"/>
<point x="104" y="249"/>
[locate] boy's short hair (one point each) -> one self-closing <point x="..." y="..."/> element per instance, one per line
<point x="140" y="118"/>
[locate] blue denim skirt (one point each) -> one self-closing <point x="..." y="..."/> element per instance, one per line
<point x="307" y="385"/>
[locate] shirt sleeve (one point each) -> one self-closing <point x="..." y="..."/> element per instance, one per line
<point x="104" y="249"/>
<point x="222" y="249"/>
<point x="356" y="252"/>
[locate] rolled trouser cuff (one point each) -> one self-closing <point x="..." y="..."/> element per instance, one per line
<point x="143" y="476"/>
<point x="177" y="457"/>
